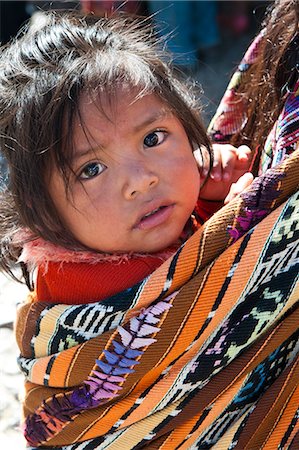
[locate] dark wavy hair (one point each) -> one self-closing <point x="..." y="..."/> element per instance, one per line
<point x="272" y="75"/>
<point x="42" y="75"/>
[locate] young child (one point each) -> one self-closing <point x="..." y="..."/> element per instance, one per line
<point x="100" y="138"/>
<point x="108" y="160"/>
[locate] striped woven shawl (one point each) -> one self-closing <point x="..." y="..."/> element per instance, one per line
<point x="202" y="353"/>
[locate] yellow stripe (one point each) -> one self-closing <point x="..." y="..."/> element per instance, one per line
<point x="48" y="325"/>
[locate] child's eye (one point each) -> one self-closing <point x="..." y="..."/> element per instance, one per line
<point x="91" y="170"/>
<point x="154" y="138"/>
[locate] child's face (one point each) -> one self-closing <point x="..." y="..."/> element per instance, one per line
<point x="136" y="182"/>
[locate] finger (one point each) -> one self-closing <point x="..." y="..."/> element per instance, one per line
<point x="243" y="157"/>
<point x="243" y="182"/>
<point x="243" y="152"/>
<point x="231" y="195"/>
<point x="236" y="188"/>
<point x="216" y="172"/>
<point x="229" y="158"/>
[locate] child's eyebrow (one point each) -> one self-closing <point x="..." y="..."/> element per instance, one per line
<point x="160" y="115"/>
<point x="156" y="116"/>
<point x="78" y="154"/>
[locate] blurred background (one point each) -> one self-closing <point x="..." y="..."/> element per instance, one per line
<point x="207" y="40"/>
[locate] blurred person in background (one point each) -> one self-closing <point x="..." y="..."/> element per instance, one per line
<point x="191" y="27"/>
<point x="104" y="7"/>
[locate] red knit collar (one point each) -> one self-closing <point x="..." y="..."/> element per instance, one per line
<point x="39" y="252"/>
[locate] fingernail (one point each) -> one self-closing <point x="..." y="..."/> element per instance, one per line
<point x="244" y="148"/>
<point x="216" y="176"/>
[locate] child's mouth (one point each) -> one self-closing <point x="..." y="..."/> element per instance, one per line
<point x="155" y="217"/>
<point x="153" y="212"/>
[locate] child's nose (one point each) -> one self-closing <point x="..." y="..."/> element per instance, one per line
<point x="139" y="180"/>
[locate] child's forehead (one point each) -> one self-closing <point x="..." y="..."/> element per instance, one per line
<point x="120" y="105"/>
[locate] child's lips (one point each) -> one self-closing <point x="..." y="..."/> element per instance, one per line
<point x="155" y="217"/>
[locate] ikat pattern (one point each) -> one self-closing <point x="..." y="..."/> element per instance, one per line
<point x="104" y="382"/>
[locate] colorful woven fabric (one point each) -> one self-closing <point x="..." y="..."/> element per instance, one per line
<point x="201" y="352"/>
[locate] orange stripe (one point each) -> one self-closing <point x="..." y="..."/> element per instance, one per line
<point x="276" y="411"/>
<point x="178" y="435"/>
<point x="183" y="272"/>
<point x="218" y="407"/>
<point x="101" y="425"/>
<point x="284" y="421"/>
<point x="38" y="371"/>
<point x="151" y="290"/>
<point x="61" y="367"/>
<point x="199" y="313"/>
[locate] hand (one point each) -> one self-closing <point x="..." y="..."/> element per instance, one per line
<point x="230" y="163"/>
